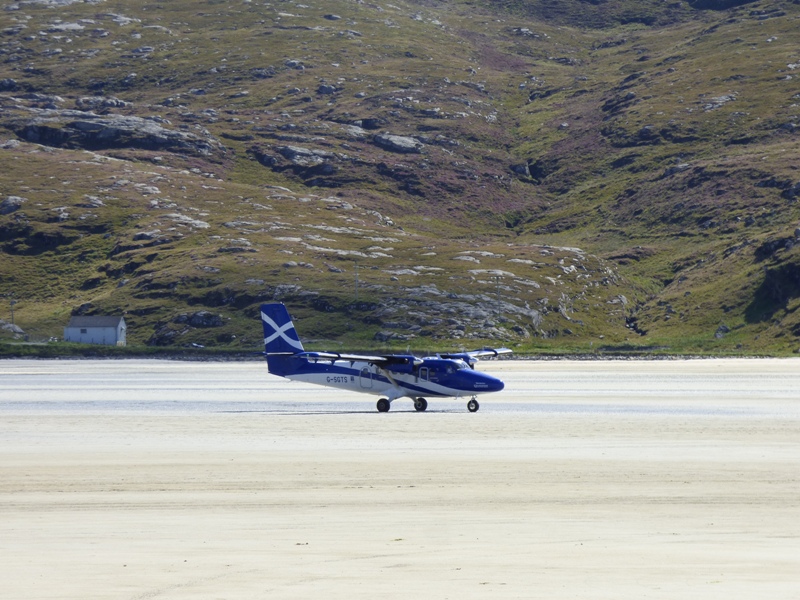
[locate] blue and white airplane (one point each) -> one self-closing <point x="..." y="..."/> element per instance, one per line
<point x="390" y="376"/>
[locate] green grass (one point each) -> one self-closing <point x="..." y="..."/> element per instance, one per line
<point x="502" y="97"/>
<point x="67" y="350"/>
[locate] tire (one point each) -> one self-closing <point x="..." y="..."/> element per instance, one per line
<point x="473" y="406"/>
<point x="383" y="405"/>
<point x="420" y="405"/>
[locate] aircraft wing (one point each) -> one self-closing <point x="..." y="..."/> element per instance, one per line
<point x="472" y="356"/>
<point x="339" y="356"/>
<point x="489" y="352"/>
<point x="381" y="361"/>
<point x="475" y="354"/>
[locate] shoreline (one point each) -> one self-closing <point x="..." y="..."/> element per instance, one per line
<point x="212" y="355"/>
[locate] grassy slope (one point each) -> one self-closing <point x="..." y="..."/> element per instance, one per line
<point x="599" y="114"/>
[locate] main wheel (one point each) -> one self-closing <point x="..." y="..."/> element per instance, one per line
<point x="383" y="405"/>
<point x="473" y="406"/>
<point x="420" y="405"/>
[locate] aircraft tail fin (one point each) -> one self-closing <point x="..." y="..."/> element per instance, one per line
<point x="280" y="336"/>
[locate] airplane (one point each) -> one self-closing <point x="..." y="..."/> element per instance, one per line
<point x="390" y="376"/>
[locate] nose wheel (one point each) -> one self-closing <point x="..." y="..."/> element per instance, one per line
<point x="383" y="405"/>
<point x="473" y="406"/>
<point x="420" y="405"/>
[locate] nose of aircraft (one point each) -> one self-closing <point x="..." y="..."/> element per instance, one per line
<point x="493" y="384"/>
<point x="498" y="385"/>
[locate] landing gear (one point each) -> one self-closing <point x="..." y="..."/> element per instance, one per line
<point x="420" y="404"/>
<point x="473" y="406"/>
<point x="383" y="405"/>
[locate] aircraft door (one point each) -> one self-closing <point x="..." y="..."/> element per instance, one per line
<point x="423" y="373"/>
<point x="366" y="378"/>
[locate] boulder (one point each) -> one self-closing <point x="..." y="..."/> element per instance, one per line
<point x="355" y="131"/>
<point x="96" y="102"/>
<point x="146" y="235"/>
<point x="669" y="171"/>
<point x="305" y="157"/>
<point x="11" y="204"/>
<point x="43" y="101"/>
<point x="521" y="169"/>
<point x="386" y="336"/>
<point x="370" y="123"/>
<point x="15" y="329"/>
<point x="204" y="318"/>
<point x="263" y="157"/>
<point x="163" y="337"/>
<point x="648" y="133"/>
<point x="262" y="73"/>
<point x="792" y="191"/>
<point x="398" y="143"/>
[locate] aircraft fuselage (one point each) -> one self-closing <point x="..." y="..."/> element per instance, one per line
<point x="433" y="378"/>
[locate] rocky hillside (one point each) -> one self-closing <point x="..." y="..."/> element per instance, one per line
<point x="566" y="176"/>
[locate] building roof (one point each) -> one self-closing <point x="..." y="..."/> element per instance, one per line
<point x="95" y="321"/>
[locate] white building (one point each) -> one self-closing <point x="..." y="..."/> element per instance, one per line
<point x="109" y="331"/>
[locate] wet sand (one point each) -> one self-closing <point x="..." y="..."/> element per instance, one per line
<point x="149" y="479"/>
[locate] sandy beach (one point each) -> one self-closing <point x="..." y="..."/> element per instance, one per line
<point x="620" y="479"/>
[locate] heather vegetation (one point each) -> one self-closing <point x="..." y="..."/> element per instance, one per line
<point x="574" y="176"/>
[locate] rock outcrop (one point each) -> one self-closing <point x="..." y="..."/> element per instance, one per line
<point x="78" y="129"/>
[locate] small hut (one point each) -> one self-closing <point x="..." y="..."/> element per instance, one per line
<point x="109" y="331"/>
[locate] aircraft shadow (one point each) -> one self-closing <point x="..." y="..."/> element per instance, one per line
<point x="298" y="413"/>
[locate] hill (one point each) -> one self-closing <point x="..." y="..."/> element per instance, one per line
<point x="556" y="176"/>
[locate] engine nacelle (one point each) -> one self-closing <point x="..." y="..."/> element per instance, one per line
<point x="402" y="363"/>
